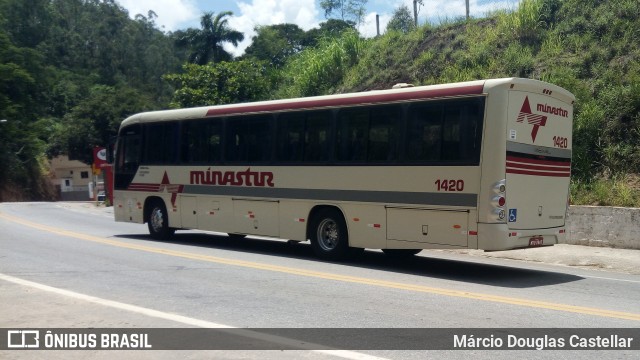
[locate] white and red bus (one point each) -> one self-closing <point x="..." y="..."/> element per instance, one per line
<point x="473" y="165"/>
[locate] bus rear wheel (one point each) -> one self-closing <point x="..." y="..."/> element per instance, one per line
<point x="330" y="237"/>
<point x="158" y="222"/>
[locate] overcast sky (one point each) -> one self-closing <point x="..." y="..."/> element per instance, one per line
<point x="182" y="14"/>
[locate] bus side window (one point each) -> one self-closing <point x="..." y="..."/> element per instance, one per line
<point x="424" y="133"/>
<point x="161" y="143"/>
<point x="353" y="135"/>
<point x="131" y="154"/>
<point x="201" y="141"/>
<point x="249" y="139"/>
<point x="290" y="137"/>
<point x="471" y="116"/>
<point x="316" y="142"/>
<point x="259" y="139"/>
<point x="235" y="138"/>
<point x="451" y="133"/>
<point x="460" y="141"/>
<point x="128" y="150"/>
<point x="383" y="133"/>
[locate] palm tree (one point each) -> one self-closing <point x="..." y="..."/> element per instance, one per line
<point x="206" y="43"/>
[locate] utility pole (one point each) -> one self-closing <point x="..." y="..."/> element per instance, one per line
<point x="415" y="11"/>
<point x="467" y="2"/>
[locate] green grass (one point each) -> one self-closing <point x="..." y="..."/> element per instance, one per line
<point x="618" y="191"/>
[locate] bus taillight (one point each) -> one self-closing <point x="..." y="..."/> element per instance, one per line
<point x="498" y="200"/>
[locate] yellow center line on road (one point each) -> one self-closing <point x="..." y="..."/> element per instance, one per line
<point x="331" y="276"/>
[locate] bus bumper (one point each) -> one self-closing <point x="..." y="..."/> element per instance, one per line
<point x="495" y="237"/>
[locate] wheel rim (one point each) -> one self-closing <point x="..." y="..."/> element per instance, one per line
<point x="157" y="220"/>
<point x="328" y="236"/>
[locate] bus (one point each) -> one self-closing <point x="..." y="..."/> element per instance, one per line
<point x="472" y="165"/>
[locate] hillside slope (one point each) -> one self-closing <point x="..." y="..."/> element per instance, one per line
<point x="590" y="47"/>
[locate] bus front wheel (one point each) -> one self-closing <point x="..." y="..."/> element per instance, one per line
<point x="330" y="237"/>
<point x="158" y="222"/>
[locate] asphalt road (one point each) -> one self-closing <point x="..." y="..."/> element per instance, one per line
<point x="65" y="266"/>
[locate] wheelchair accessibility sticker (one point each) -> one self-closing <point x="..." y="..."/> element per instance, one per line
<point x="513" y="215"/>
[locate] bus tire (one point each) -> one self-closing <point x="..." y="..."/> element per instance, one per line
<point x="400" y="253"/>
<point x="158" y="222"/>
<point x="330" y="237"/>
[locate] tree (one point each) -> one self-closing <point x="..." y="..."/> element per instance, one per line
<point x="220" y="83"/>
<point x="70" y="71"/>
<point x="276" y="43"/>
<point x="206" y="44"/>
<point x="29" y="21"/>
<point x="332" y="28"/>
<point x="353" y="10"/>
<point x="401" y="20"/>
<point x="96" y="119"/>
<point x="22" y="75"/>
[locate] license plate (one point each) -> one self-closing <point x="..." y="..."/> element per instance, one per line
<point x="536" y="241"/>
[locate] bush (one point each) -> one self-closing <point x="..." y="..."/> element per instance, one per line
<point x="616" y="191"/>
<point x="316" y="71"/>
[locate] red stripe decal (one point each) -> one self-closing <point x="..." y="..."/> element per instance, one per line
<point x="143" y="187"/>
<point x="366" y="98"/>
<point x="538" y="173"/>
<point x="538" y="161"/>
<point x="537" y="167"/>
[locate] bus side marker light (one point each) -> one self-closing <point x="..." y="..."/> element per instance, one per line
<point x="474" y="233"/>
<point x="298" y="220"/>
<point x="356" y="219"/>
<point x="375" y="226"/>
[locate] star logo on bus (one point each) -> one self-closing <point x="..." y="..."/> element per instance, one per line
<point x="167" y="187"/>
<point x="531" y="118"/>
